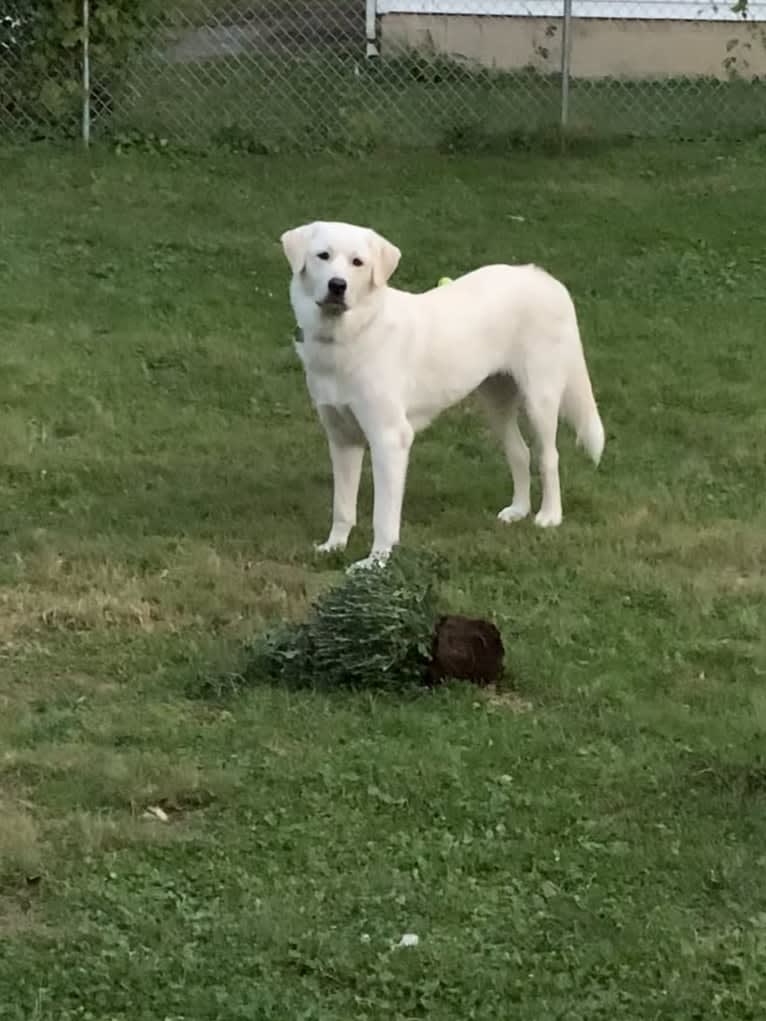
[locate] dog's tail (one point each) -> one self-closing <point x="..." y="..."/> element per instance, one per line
<point x="578" y="407"/>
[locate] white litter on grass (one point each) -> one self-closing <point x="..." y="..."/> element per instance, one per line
<point x="155" y="812"/>
<point x="409" y="939"/>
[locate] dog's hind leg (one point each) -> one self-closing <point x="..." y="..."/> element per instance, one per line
<point x="542" y="410"/>
<point x="502" y="402"/>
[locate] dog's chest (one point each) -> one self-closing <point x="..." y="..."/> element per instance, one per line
<point x="325" y="387"/>
<point x="327" y="382"/>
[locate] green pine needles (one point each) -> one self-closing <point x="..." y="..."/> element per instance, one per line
<point x="373" y="630"/>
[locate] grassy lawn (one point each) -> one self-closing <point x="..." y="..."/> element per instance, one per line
<point x="589" y="843"/>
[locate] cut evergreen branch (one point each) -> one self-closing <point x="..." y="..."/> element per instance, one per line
<point x="373" y="630"/>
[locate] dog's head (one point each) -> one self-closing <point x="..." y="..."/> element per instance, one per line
<point x="339" y="265"/>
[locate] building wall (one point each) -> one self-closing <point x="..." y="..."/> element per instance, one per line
<point x="600" y="48"/>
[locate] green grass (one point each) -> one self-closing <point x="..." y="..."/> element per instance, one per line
<point x="588" y="843"/>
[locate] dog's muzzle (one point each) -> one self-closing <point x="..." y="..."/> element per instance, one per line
<point x="335" y="299"/>
<point x="335" y="306"/>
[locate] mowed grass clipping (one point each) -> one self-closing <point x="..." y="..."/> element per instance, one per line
<point x="589" y="842"/>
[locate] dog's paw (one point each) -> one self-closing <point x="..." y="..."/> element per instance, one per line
<point x="516" y="512"/>
<point x="337" y="540"/>
<point x="330" y="546"/>
<point x="548" y="519"/>
<point x="373" y="560"/>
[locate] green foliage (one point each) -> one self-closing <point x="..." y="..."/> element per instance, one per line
<point x="41" y="58"/>
<point x="373" y="630"/>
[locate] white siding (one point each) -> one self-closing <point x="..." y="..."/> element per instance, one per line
<point x="648" y="10"/>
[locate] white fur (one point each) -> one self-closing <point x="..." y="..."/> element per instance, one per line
<point x="381" y="364"/>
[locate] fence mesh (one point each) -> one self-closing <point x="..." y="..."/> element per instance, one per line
<point x="303" y="74"/>
<point x="679" y="68"/>
<point x="270" y="75"/>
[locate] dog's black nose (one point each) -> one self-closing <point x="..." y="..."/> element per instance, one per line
<point x="337" y="287"/>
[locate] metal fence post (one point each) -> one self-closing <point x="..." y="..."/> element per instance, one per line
<point x="86" y="73"/>
<point x="370" y="14"/>
<point x="566" y="60"/>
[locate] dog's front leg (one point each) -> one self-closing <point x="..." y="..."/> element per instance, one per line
<point x="346" y="455"/>
<point x="390" y="451"/>
<point x="347" y="461"/>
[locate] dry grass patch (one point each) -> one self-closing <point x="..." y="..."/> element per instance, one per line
<point x="196" y="587"/>
<point x="93" y="777"/>
<point x="20" y="843"/>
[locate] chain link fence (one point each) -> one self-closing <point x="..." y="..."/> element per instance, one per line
<point x="354" y="75"/>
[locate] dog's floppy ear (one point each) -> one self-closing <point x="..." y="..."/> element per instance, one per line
<point x="385" y="260"/>
<point x="295" y="244"/>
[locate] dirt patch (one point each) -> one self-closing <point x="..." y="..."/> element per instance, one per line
<point x="507" y="701"/>
<point x="18" y="918"/>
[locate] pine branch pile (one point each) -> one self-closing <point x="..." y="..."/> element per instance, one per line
<point x="375" y="629"/>
<point x="379" y="629"/>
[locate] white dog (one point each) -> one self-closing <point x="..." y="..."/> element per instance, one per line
<point x="381" y="364"/>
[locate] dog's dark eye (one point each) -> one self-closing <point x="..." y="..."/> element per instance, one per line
<point x="324" y="256"/>
<point x="358" y="262"/>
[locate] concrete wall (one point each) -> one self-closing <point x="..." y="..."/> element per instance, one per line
<point x="624" y="48"/>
